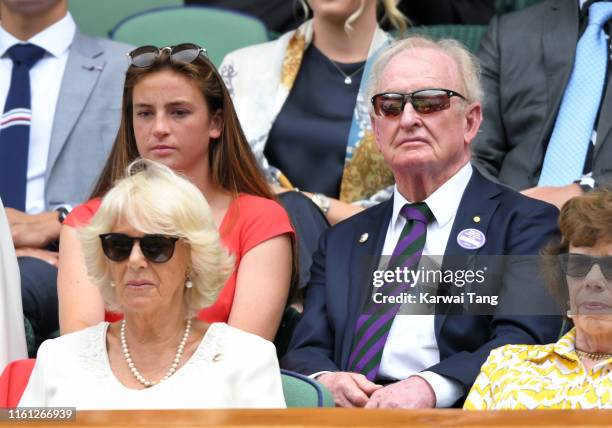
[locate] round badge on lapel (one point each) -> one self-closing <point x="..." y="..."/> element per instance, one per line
<point x="471" y="239"/>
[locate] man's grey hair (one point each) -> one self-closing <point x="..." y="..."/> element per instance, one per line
<point x="467" y="63"/>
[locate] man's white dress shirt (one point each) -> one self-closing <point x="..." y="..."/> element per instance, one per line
<point x="45" y="81"/>
<point x="411" y="345"/>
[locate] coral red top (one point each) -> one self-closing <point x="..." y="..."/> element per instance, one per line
<point x="249" y="221"/>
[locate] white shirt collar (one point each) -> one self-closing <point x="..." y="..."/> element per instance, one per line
<point x="581" y="3"/>
<point x="55" y="39"/>
<point x="444" y="202"/>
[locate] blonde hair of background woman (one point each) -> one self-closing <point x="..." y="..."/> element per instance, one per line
<point x="392" y="13"/>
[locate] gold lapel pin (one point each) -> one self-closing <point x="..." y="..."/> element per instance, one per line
<point x="364" y="237"/>
<point x="476" y="219"/>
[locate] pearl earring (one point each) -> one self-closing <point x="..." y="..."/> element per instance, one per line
<point x="112" y="284"/>
<point x="569" y="314"/>
<point x="188" y="283"/>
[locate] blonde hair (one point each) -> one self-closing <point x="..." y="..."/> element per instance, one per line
<point x="154" y="199"/>
<point x="391" y="12"/>
<point x="468" y="65"/>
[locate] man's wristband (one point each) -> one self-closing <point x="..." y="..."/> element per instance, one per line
<point x="587" y="184"/>
<point x="62" y="213"/>
<point x="322" y="202"/>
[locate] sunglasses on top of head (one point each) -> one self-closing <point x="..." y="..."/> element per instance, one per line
<point x="156" y="248"/>
<point x="425" y="101"/>
<point x="145" y="56"/>
<point x="579" y="265"/>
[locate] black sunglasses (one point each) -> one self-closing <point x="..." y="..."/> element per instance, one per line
<point x="145" y="56"/>
<point x="391" y="104"/>
<point x="579" y="265"/>
<point x="156" y="248"/>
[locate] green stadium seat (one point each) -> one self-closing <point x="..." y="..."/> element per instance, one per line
<point x="505" y="6"/>
<point x="469" y="35"/>
<point x="219" y="31"/>
<point x="301" y="391"/>
<point x="97" y="17"/>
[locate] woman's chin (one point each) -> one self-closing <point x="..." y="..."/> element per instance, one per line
<point x="594" y="323"/>
<point x="137" y="303"/>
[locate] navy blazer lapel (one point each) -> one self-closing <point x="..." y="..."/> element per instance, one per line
<point x="82" y="72"/>
<point x="475" y="202"/>
<point x="559" y="38"/>
<point x="364" y="260"/>
<point x="478" y="200"/>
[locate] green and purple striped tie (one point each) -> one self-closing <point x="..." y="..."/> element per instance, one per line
<point x="374" y="324"/>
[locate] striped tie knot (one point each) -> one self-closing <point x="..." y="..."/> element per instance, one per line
<point x="412" y="238"/>
<point x="600" y="13"/>
<point x="27" y="54"/>
<point x="419" y="212"/>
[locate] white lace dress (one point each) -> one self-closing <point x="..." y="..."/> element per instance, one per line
<point x="229" y="369"/>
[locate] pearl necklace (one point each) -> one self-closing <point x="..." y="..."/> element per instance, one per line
<point x="173" y="367"/>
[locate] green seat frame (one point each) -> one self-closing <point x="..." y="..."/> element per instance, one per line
<point x="302" y="391"/>
<point x="468" y="35"/>
<point x="219" y="31"/>
<point x="98" y="17"/>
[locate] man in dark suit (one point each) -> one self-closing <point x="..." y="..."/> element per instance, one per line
<point x="76" y="88"/>
<point x="527" y="62"/>
<point x="426" y="111"/>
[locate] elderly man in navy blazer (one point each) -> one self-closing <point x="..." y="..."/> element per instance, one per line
<point x="426" y="110"/>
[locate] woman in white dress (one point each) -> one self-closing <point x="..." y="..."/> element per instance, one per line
<point x="12" y="334"/>
<point x="155" y="252"/>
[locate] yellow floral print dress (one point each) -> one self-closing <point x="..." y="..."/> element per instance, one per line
<point x="541" y="377"/>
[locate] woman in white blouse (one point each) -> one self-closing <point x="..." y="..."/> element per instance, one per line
<point x="155" y="252"/>
<point x="12" y="334"/>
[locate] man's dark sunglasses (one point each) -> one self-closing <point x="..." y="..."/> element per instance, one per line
<point x="579" y="265"/>
<point x="391" y="104"/>
<point x="145" y="56"/>
<point x="156" y="248"/>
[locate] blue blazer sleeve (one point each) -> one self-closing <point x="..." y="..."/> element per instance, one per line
<point x="312" y="345"/>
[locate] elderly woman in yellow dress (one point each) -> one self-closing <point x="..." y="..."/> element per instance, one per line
<point x="575" y="372"/>
<point x="155" y="252"/>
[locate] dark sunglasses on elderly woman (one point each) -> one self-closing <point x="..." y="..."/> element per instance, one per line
<point x="145" y="56"/>
<point x="579" y="265"/>
<point x="156" y="248"/>
<point x="425" y="101"/>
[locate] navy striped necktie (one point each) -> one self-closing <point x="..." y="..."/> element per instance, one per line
<point x="374" y="324"/>
<point x="15" y="127"/>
